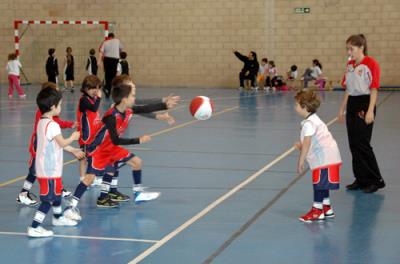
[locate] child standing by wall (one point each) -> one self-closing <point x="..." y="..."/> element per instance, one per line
<point x="13" y="69"/>
<point x="52" y="67"/>
<point x="123" y="65"/>
<point x="69" y="70"/>
<point x="320" y="149"/>
<point x="91" y="65"/>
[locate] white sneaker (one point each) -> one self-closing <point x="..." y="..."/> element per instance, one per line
<point x="97" y="182"/>
<point x="27" y="198"/>
<point x="39" y="232"/>
<point x="145" y="196"/>
<point x="72" y="213"/>
<point x="63" y="221"/>
<point x="241" y="88"/>
<point x="66" y="193"/>
<point x="22" y="96"/>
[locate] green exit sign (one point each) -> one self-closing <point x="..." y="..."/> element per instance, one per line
<point x="302" y="10"/>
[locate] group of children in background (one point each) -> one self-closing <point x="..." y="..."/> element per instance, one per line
<point x="265" y="75"/>
<point x="14" y="69"/>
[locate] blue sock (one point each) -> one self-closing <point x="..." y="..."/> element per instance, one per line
<point x="40" y="214"/>
<point x="319" y="195"/>
<point x="105" y="185"/>
<point x="79" y="191"/>
<point x="114" y="183"/>
<point x="137" y="177"/>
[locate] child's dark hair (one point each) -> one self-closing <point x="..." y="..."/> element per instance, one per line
<point x="90" y="82"/>
<point x="51" y="51"/>
<point x="12" y="56"/>
<point x="123" y="78"/>
<point x="47" y="98"/>
<point x="123" y="55"/>
<point x="272" y="63"/>
<point x="264" y="60"/>
<point x="293" y="68"/>
<point x="358" y="40"/>
<point x="68" y="50"/>
<point x="111" y="35"/>
<point x="120" y="92"/>
<point x="316" y="62"/>
<point x="92" y="52"/>
<point x="308" y="100"/>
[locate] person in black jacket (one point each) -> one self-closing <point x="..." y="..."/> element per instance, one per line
<point x="250" y="68"/>
<point x="52" y="67"/>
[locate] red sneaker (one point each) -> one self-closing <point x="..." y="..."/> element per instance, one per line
<point x="328" y="211"/>
<point x="313" y="215"/>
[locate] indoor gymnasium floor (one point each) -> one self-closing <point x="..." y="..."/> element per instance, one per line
<point x="230" y="191"/>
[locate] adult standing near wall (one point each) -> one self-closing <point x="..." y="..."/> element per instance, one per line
<point x="362" y="83"/>
<point x="110" y="51"/>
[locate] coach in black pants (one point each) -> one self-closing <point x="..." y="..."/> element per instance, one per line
<point x="110" y="51"/>
<point x="365" y="166"/>
<point x="362" y="84"/>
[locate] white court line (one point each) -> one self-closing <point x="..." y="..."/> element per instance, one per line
<point x="214" y="204"/>
<point x="88" y="237"/>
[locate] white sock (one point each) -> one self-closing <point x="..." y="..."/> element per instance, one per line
<point x="317" y="205"/>
<point x="27" y="186"/>
<point x="326" y="201"/>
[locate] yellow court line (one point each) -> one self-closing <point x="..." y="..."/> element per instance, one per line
<point x="152" y="135"/>
<point x="12" y="181"/>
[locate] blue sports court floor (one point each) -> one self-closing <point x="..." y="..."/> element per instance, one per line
<point x="230" y="191"/>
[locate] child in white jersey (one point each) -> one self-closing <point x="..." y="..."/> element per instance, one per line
<point x="319" y="148"/>
<point x="49" y="162"/>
